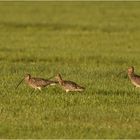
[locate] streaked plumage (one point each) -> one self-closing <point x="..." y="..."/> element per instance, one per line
<point x="135" y="79"/>
<point x="37" y="83"/>
<point x="69" y="85"/>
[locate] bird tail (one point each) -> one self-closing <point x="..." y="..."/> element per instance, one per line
<point x="53" y="83"/>
<point x="81" y="88"/>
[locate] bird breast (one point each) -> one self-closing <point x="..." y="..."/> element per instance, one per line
<point x="135" y="83"/>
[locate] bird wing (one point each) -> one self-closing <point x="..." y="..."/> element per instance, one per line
<point x="40" y="82"/>
<point x="49" y="82"/>
<point x="71" y="85"/>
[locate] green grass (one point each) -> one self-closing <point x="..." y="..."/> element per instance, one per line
<point x="87" y="42"/>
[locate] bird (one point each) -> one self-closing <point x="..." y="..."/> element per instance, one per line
<point x="68" y="85"/>
<point x="36" y="83"/>
<point x="135" y="79"/>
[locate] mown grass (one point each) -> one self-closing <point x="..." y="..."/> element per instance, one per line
<point x="88" y="42"/>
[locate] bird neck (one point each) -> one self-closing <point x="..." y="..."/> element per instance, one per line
<point x="27" y="79"/>
<point x="130" y="75"/>
<point x="60" y="80"/>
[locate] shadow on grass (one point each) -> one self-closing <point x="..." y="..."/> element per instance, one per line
<point x="62" y="26"/>
<point x="47" y="59"/>
<point x="49" y="26"/>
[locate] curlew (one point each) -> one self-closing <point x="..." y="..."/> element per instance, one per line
<point x="68" y="85"/>
<point x="135" y="79"/>
<point x="36" y="83"/>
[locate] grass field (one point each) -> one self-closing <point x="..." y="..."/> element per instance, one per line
<point x="87" y="42"/>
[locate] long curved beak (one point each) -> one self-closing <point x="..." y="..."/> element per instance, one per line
<point x="19" y="83"/>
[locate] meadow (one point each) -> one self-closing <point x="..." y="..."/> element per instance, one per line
<point x="87" y="42"/>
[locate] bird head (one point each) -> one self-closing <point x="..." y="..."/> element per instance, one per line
<point x="27" y="76"/>
<point x="130" y="70"/>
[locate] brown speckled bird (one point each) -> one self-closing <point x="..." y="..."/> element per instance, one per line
<point x="37" y="83"/>
<point x="68" y="85"/>
<point x="135" y="79"/>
